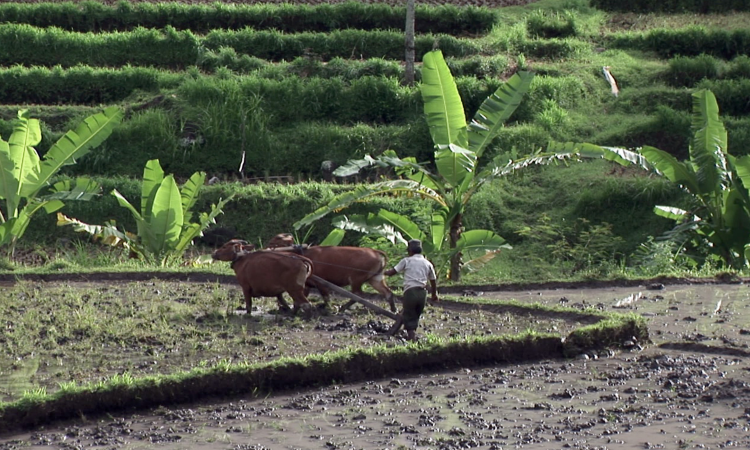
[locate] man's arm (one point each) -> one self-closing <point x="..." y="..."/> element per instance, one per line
<point x="433" y="290"/>
<point x="390" y="272"/>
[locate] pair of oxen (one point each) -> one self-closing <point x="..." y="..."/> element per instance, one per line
<point x="285" y="267"/>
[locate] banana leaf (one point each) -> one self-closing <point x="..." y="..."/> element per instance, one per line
<point x="709" y="143"/>
<point x="191" y="231"/>
<point x="405" y="225"/>
<point x="437" y="227"/>
<point x="144" y="229"/>
<point x="477" y="263"/>
<point x="480" y="240"/>
<point x="387" y="159"/>
<point x="189" y="193"/>
<point x="362" y="192"/>
<point x="26" y="134"/>
<point x="442" y="103"/>
<point x="670" y="212"/>
<point x="74" y="144"/>
<point x="83" y="189"/>
<point x="16" y="226"/>
<point x="107" y="234"/>
<point x="675" y="171"/>
<point x="334" y="238"/>
<point x="166" y="216"/>
<point x="741" y="167"/>
<point x="495" y="110"/>
<point x="153" y="175"/>
<point x="369" y="225"/>
<point x="8" y="181"/>
<point x="455" y="163"/>
<point x="480" y="245"/>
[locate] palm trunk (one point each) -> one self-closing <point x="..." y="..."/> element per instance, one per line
<point x="455" y="233"/>
<point x="409" y="43"/>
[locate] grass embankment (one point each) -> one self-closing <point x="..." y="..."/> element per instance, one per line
<point x="88" y="348"/>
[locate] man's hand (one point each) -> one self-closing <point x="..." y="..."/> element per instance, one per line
<point x="433" y="289"/>
<point x="390" y="272"/>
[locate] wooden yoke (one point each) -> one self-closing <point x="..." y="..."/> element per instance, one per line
<point x="286" y="249"/>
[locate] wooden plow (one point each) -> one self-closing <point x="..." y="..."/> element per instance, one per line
<point x="377" y="309"/>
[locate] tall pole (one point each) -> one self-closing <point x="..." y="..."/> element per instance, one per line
<point x="409" y="44"/>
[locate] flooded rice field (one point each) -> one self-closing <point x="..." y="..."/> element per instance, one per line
<point x="55" y="334"/>
<point x="688" y="388"/>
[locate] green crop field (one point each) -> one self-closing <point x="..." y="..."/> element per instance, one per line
<point x="288" y="89"/>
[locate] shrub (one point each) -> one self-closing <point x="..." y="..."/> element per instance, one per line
<point x="739" y="67"/>
<point x="688" y="71"/>
<point x="732" y="95"/>
<point x="673" y="6"/>
<point x="690" y="41"/>
<point x="738" y="130"/>
<point x="97" y="17"/>
<point x="80" y="84"/>
<point x="555" y="48"/>
<point x="479" y="66"/>
<point x="547" y="25"/>
<point x="568" y="92"/>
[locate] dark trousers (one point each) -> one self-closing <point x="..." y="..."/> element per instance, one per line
<point x="414" y="302"/>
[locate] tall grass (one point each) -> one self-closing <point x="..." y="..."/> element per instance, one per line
<point x="124" y="16"/>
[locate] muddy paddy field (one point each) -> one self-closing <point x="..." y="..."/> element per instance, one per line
<point x="687" y="388"/>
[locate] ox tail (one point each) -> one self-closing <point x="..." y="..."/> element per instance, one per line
<point x="308" y="265"/>
<point x="306" y="261"/>
<point x="378" y="276"/>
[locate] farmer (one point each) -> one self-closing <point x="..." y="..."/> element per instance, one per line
<point x="417" y="272"/>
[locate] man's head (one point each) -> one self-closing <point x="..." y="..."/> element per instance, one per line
<point x="414" y="246"/>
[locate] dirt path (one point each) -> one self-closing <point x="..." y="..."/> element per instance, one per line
<point x="690" y="388"/>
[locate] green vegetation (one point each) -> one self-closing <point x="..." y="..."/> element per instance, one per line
<point x="164" y="222"/>
<point x="26" y="182"/>
<point x="288" y="17"/>
<point x="719" y="217"/>
<point x="458" y="148"/>
<point x="293" y="96"/>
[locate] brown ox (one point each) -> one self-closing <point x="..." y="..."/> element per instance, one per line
<point x="267" y="274"/>
<point x="281" y="240"/>
<point x="343" y="266"/>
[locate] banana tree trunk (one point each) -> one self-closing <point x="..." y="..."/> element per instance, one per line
<point x="409" y="43"/>
<point x="455" y="233"/>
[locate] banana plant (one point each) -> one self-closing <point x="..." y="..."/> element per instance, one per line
<point x="479" y="245"/>
<point x="164" y="227"/>
<point x="716" y="180"/>
<point x="458" y="147"/>
<point x="26" y="180"/>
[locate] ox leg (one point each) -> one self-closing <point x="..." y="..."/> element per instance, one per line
<point x="248" y="293"/>
<point x="324" y="292"/>
<point x="283" y="305"/>
<point x="301" y="302"/>
<point x="378" y="283"/>
<point x="356" y="289"/>
<point x="346" y="305"/>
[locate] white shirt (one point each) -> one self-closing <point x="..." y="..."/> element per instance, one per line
<point x="416" y="269"/>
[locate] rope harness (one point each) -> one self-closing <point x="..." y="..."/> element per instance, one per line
<point x="300" y="250"/>
<point x="239" y="255"/>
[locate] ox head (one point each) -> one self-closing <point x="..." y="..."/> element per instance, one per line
<point x="232" y="250"/>
<point x="281" y="240"/>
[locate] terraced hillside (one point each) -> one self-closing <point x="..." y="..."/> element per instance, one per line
<point x="487" y="3"/>
<point x="294" y="85"/>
